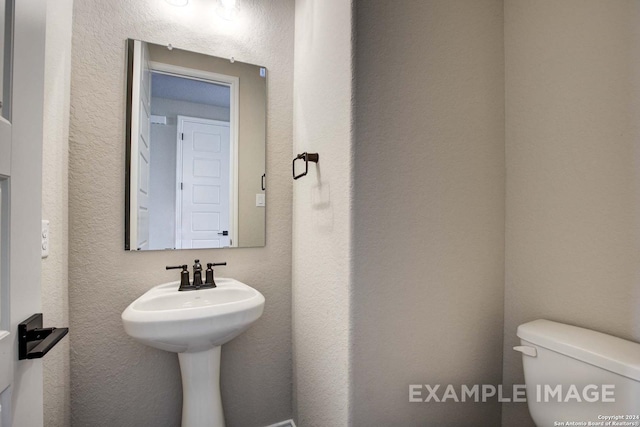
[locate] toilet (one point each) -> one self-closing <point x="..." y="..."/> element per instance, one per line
<point x="575" y="375"/>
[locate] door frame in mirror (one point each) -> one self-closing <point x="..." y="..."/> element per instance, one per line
<point x="233" y="83"/>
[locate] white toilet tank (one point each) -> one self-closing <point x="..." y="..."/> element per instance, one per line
<point x="575" y="376"/>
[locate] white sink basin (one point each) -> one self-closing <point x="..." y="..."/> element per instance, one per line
<point x="195" y="324"/>
<point x="192" y="321"/>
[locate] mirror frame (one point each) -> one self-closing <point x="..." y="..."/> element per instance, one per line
<point x="236" y="134"/>
<point x="127" y="131"/>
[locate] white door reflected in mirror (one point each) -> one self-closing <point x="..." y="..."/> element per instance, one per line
<point x="203" y="206"/>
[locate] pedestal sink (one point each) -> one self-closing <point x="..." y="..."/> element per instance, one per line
<point x="195" y="324"/>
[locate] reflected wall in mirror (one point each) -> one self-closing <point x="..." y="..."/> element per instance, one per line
<point x="196" y="134"/>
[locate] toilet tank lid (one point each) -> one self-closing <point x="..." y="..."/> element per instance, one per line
<point x="605" y="351"/>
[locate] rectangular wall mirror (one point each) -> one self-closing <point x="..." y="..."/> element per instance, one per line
<point x="196" y="135"/>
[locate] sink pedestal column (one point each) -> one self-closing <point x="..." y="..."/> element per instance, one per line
<point x="201" y="403"/>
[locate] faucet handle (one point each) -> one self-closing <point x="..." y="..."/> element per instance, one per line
<point x="184" y="275"/>
<point x="213" y="264"/>
<point x="175" y="267"/>
<point x="210" y="281"/>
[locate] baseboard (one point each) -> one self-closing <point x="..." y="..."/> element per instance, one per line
<point x="288" y="423"/>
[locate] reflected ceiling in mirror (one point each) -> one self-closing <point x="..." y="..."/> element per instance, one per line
<point x="196" y="135"/>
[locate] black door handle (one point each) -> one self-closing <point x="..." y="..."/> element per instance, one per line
<point x="34" y="341"/>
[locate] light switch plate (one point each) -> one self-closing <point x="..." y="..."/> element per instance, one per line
<point x="260" y="200"/>
<point x="45" y="238"/>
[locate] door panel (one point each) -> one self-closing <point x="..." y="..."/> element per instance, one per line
<point x="140" y="147"/>
<point x="22" y="192"/>
<point x="204" y="183"/>
<point x="25" y="204"/>
<point x="6" y="70"/>
<point x="6" y="347"/>
<point x="144" y="150"/>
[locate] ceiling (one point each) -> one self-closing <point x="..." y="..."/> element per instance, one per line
<point x="184" y="89"/>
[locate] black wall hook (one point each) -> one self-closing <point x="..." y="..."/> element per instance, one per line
<point x="307" y="157"/>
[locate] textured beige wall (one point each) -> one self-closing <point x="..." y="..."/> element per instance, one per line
<point x="429" y="208"/>
<point x="322" y="213"/>
<point x="573" y="162"/>
<point x="55" y="178"/>
<point x="116" y="381"/>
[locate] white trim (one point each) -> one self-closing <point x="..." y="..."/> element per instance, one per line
<point x="192" y="73"/>
<point x="5" y="147"/>
<point x="234" y="128"/>
<point x="288" y="423"/>
<point x="233" y="205"/>
<point x="178" y="190"/>
<point x="135" y="151"/>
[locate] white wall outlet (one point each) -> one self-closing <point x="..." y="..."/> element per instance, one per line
<point x="260" y="200"/>
<point x="45" y="238"/>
